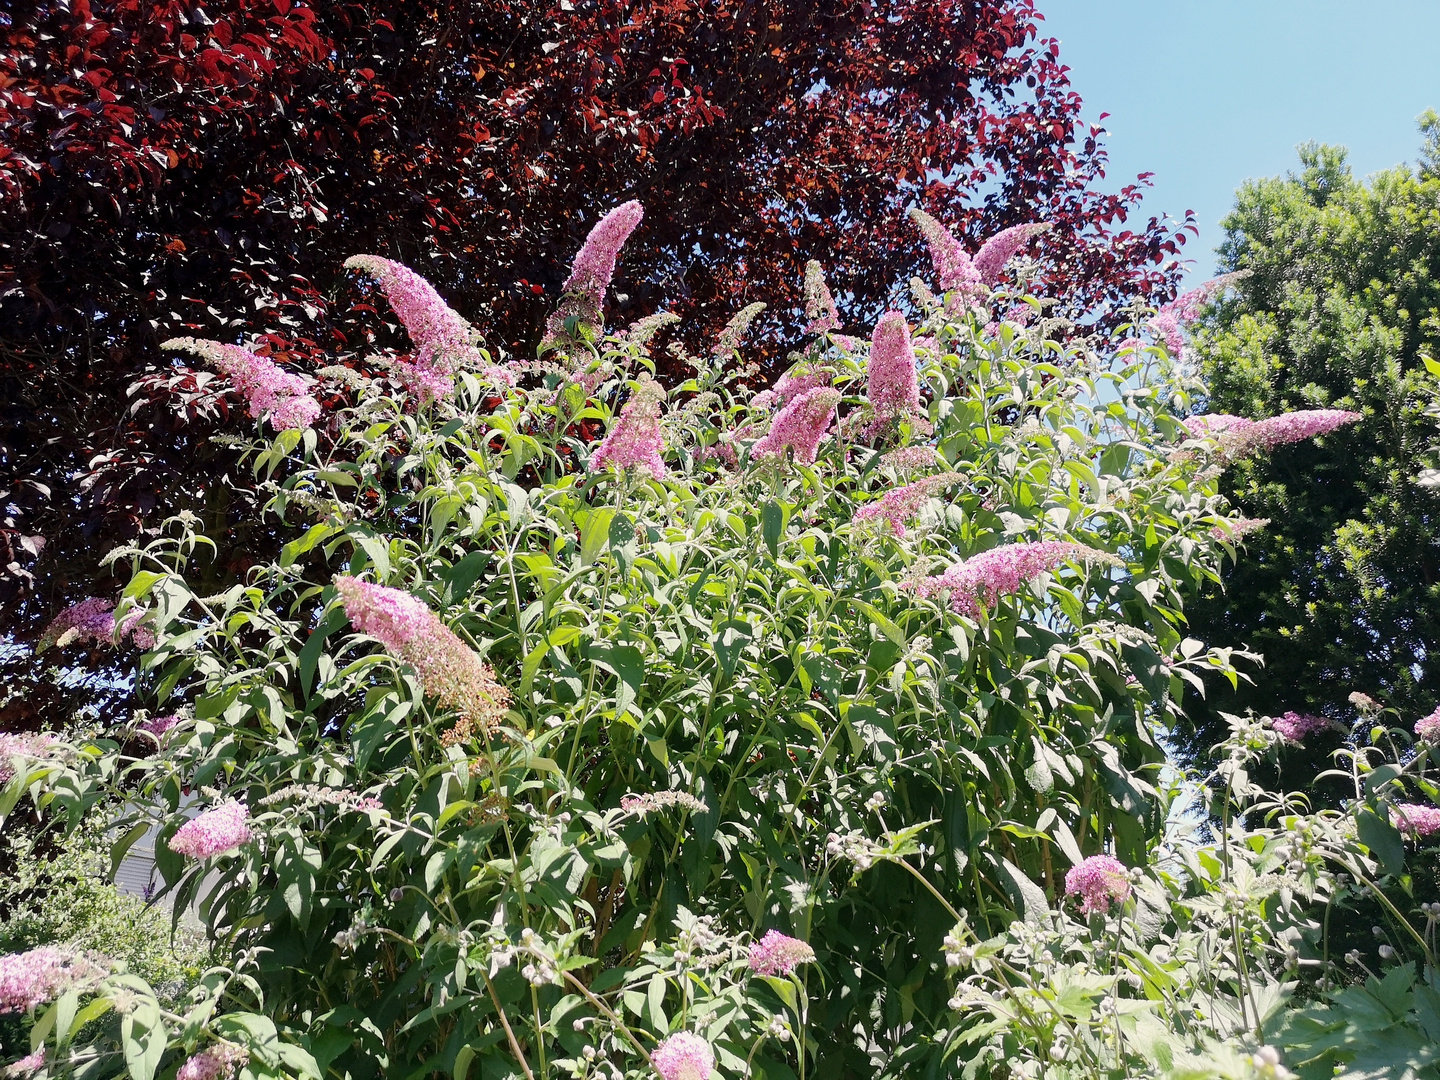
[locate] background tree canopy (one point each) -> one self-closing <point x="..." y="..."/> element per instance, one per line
<point x="1341" y="592"/>
<point x="167" y="165"/>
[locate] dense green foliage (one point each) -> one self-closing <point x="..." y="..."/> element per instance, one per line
<point x="1341" y="592"/>
<point x="904" y="784"/>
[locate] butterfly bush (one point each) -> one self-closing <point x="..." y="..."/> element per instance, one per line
<point x="280" y="396"/>
<point x="522" y="759"/>
<point x="1293" y="726"/>
<point x="1428" y="727"/>
<point x="94" y="620"/>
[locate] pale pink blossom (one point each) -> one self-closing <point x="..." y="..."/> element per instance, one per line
<point x="24" y="746"/>
<point x="1167" y="322"/>
<point x="1098" y="881"/>
<point x="639" y="333"/>
<point x="1214" y="425"/>
<point x="634" y="439"/>
<point x="735" y="329"/>
<point x="997" y="251"/>
<point x="910" y="457"/>
<point x="1416" y="819"/>
<point x="1293" y="726"/>
<point x="590" y="274"/>
<point x="953" y="267"/>
<point x="778" y="954"/>
<point x="28" y="1065"/>
<point x="683" y="1056"/>
<point x="94" y="620"/>
<point x="268" y="389"/>
<point x="641" y="805"/>
<point x="1002" y="570"/>
<point x="800" y="425"/>
<point x="820" y="307"/>
<point x="796" y="381"/>
<point x="892" y="386"/>
<point x="899" y="505"/>
<point x="32" y="978"/>
<point x="213" y="1063"/>
<point x="1428" y="727"/>
<point x="1294" y="426"/>
<point x="449" y="670"/>
<point x="1235" y="528"/>
<point x="217" y="830"/>
<point x="159" y="725"/>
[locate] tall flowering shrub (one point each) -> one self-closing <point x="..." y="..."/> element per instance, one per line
<point x="555" y="742"/>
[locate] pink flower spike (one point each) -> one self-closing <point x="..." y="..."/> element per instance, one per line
<point x="214" y="1063"/>
<point x="1428" y="727"/>
<point x="1416" y="819"/>
<point x="1002" y="570"/>
<point x="998" y="250"/>
<point x="892" y="386"/>
<point x="800" y="425"/>
<point x="953" y="267"/>
<point x="594" y="266"/>
<point x="159" y="725"/>
<point x="683" y="1056"/>
<point x="634" y="439"/>
<point x="28" y="1065"/>
<point x="213" y="832"/>
<point x="1294" y="426"/>
<point x="778" y="954"/>
<point x="1098" y="881"/>
<point x="820" y="306"/>
<point x="1235" y="528"/>
<point x="269" y="389"/>
<point x="1293" y="726"/>
<point x="449" y="670"/>
<point x="899" y="505"/>
<point x="32" y="978"/>
<point x="39" y="747"/>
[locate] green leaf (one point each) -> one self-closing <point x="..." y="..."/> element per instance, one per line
<point x="1383" y="840"/>
<point x="773" y="517"/>
<point x="594" y="532"/>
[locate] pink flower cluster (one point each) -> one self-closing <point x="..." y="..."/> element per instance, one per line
<point x="444" y="341"/>
<point x="1234" y="529"/>
<point x="212" y="832"/>
<point x="734" y="332"/>
<point x="1098" y="881"/>
<point x="792" y="384"/>
<point x="1293" y="726"/>
<point x="800" y="425"/>
<point x="22" y="746"/>
<point x="28" y="1065"/>
<point x="1002" y="570"/>
<point x="899" y="505"/>
<point x="1238" y="436"/>
<point x="1166" y="322"/>
<point x="683" y="1056"/>
<point x="590" y="274"/>
<point x="159" y="725"/>
<point x="953" y="266"/>
<point x="778" y="954"/>
<point x="94" y="620"/>
<point x="269" y="389"/>
<point x="998" y="250"/>
<point x="218" y="1061"/>
<point x="1416" y="819"/>
<point x="892" y="386"/>
<point x="31" y="978"/>
<point x="1428" y="727"/>
<point x="635" y="439"/>
<point x="656" y="800"/>
<point x="909" y="457"/>
<point x="820" y="307"/>
<point x="449" y="670"/>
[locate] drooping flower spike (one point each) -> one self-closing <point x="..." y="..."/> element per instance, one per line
<point x="779" y="954"/>
<point x="1293" y="726"/>
<point x="898" y="505"/>
<point x="953" y="267"/>
<point x="270" y="391"/>
<point x="449" y="670"/>
<point x="735" y="329"/>
<point x="94" y="620"/>
<point x="1002" y="570"/>
<point x="1168" y="320"/>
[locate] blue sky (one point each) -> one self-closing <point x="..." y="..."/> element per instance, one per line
<point x="1207" y="94"/>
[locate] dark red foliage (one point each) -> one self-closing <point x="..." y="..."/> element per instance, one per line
<point x="205" y="167"/>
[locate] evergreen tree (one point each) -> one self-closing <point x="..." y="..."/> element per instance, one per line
<point x="1341" y="591"/>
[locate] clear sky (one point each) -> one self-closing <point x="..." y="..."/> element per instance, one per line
<point x="1208" y="93"/>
